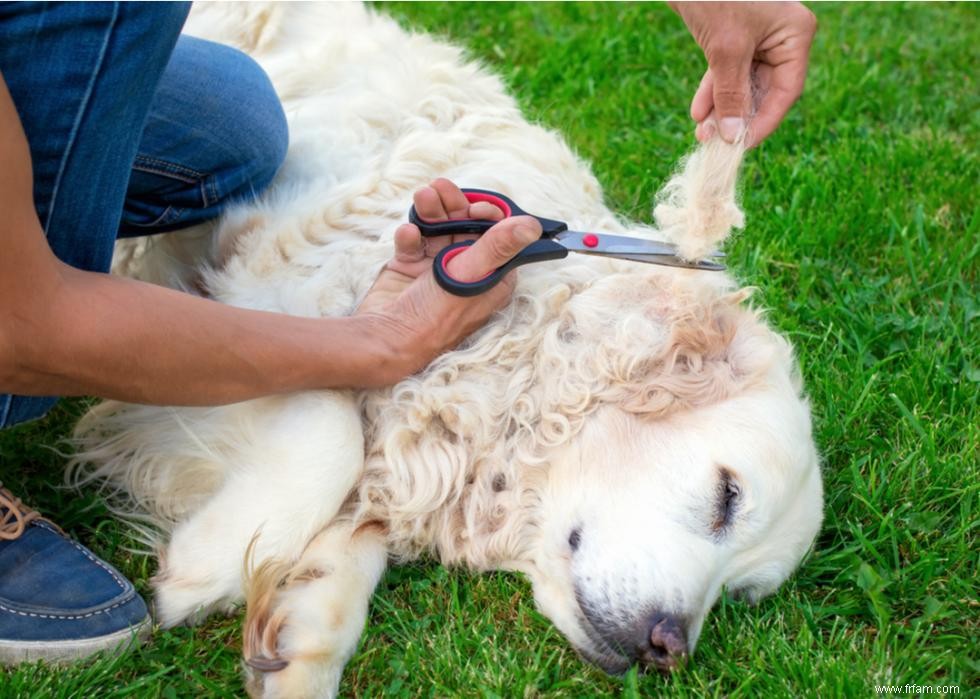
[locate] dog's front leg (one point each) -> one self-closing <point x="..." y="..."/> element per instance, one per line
<point x="304" y="620"/>
<point x="286" y="481"/>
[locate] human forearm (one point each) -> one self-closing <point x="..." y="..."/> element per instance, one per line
<point x="101" y="335"/>
<point x="67" y="332"/>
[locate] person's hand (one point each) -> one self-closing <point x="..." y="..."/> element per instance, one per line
<point x="756" y="51"/>
<point x="408" y="310"/>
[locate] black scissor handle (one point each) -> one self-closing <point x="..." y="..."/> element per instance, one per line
<point x="462" y="226"/>
<point x="538" y="251"/>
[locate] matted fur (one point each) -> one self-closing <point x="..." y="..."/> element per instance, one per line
<point x="602" y="387"/>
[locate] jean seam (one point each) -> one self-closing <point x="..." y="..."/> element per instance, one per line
<point x="166" y="173"/>
<point x="212" y="185"/>
<point x="5" y="409"/>
<point x="165" y="167"/>
<point x="80" y="114"/>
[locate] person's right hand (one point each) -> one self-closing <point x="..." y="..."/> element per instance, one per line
<point x="407" y="309"/>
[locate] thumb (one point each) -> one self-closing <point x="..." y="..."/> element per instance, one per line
<point x="408" y="243"/>
<point x="494" y="248"/>
<point x="732" y="94"/>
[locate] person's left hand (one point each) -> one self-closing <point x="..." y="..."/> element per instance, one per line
<point x="407" y="318"/>
<point x="760" y="45"/>
<point x="414" y="253"/>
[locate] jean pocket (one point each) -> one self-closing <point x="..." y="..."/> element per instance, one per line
<point x="154" y="179"/>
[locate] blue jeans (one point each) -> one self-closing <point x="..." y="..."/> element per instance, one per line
<point x="133" y="129"/>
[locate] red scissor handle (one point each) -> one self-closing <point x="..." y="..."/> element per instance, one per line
<point x="538" y="251"/>
<point x="460" y="226"/>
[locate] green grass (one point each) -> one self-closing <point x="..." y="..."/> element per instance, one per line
<point x="863" y="233"/>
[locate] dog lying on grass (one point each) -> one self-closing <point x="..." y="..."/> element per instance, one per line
<point x="630" y="437"/>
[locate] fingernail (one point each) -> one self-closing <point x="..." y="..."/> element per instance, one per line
<point x="731" y="127"/>
<point x="706" y="130"/>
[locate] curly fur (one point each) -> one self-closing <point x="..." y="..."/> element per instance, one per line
<point x="451" y="449"/>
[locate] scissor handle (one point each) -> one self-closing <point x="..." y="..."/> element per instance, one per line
<point x="462" y="226"/>
<point x="538" y="251"/>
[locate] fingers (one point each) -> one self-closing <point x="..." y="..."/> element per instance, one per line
<point x="731" y="89"/>
<point x="429" y="204"/>
<point x="453" y="200"/>
<point x="723" y="99"/>
<point x="785" y="85"/>
<point x="734" y="38"/>
<point x="707" y="128"/>
<point x="485" y="210"/>
<point x="409" y="246"/>
<point x="494" y="248"/>
<point x="781" y="86"/>
<point x="443" y="200"/>
<point x="704" y="100"/>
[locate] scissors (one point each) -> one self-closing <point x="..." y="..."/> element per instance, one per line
<point x="555" y="243"/>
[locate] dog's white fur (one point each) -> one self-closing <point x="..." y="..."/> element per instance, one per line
<point x="609" y="398"/>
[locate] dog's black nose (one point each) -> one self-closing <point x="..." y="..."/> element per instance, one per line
<point x="667" y="648"/>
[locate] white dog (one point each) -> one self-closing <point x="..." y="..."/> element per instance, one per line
<point x="631" y="437"/>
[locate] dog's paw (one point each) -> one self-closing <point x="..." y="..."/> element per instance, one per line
<point x="187" y="589"/>
<point x="299" y="633"/>
<point x="300" y="679"/>
<point x="180" y="601"/>
<point x="304" y="620"/>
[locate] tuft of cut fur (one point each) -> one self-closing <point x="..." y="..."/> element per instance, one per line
<point x="697" y="208"/>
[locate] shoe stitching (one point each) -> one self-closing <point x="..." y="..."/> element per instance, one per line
<point x="71" y="617"/>
<point x="119" y="581"/>
<point x="68" y="617"/>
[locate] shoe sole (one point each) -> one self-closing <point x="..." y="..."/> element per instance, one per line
<point x="16" y="652"/>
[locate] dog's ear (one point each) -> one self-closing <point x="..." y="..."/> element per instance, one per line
<point x="709" y="356"/>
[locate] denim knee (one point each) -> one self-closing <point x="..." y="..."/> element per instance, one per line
<point x="216" y="133"/>
<point x="255" y="123"/>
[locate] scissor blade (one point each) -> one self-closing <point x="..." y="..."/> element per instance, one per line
<point x="667" y="260"/>
<point x="636" y="249"/>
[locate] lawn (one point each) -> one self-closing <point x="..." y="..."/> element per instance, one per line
<point x="863" y="234"/>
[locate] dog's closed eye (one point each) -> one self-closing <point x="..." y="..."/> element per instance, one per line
<point x="726" y="502"/>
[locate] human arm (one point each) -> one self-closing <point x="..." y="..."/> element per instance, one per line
<point x="761" y="46"/>
<point x="67" y="332"/>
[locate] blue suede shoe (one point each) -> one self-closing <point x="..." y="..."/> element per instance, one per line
<point x="58" y="601"/>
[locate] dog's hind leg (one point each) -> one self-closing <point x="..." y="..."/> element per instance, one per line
<point x="304" y="621"/>
<point x="287" y="481"/>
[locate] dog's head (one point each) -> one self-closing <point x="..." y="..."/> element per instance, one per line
<point x="701" y="475"/>
<point x="634" y="444"/>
